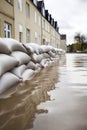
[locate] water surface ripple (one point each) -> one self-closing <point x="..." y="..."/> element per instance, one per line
<point x="56" y="99"/>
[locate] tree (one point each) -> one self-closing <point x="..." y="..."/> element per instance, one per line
<point x="81" y="39"/>
<point x="77" y="37"/>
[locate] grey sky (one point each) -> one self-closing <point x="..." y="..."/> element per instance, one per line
<point x="70" y="14"/>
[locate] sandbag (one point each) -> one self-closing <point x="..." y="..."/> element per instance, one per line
<point x="44" y="49"/>
<point x="37" y="58"/>
<point x="11" y="45"/>
<point x="29" y="49"/>
<point x="3" y="48"/>
<point x="7" y="63"/>
<point x="35" y="47"/>
<point x="28" y="74"/>
<point x="32" y="65"/>
<point x="18" y="71"/>
<point x="46" y="55"/>
<point x="21" y="57"/>
<point x="8" y="80"/>
<point x="52" y="54"/>
<point x="44" y="62"/>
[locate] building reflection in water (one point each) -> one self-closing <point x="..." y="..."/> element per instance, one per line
<point x="19" y="105"/>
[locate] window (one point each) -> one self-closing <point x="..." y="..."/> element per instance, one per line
<point x="43" y="23"/>
<point x="45" y="26"/>
<point x="43" y="11"/>
<point x="27" y="35"/>
<point x="48" y="17"/>
<point x="20" y="32"/>
<point x="20" y="5"/>
<point x="36" y="37"/>
<point x="39" y="21"/>
<point x="43" y="41"/>
<point x="35" y="2"/>
<point x="20" y="36"/>
<point x="53" y="33"/>
<point x="48" y="28"/>
<point x="35" y="17"/>
<point x="7" y="30"/>
<point x="27" y="10"/>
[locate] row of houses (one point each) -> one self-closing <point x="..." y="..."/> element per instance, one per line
<point x="28" y="21"/>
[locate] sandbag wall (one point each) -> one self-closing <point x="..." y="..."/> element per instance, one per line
<point x="20" y="62"/>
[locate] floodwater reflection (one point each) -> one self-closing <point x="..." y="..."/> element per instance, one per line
<point x="67" y="109"/>
<point x="56" y="99"/>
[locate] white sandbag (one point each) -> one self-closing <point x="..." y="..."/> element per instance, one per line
<point x="18" y="71"/>
<point x="8" y="80"/>
<point x="44" y="49"/>
<point x="28" y="74"/>
<point x="37" y="58"/>
<point x="7" y="63"/>
<point x="52" y="54"/>
<point x="35" y="47"/>
<point x="44" y="63"/>
<point x="29" y="49"/>
<point x="32" y="65"/>
<point x="21" y="57"/>
<point x="12" y="45"/>
<point x="45" y="55"/>
<point x="3" y="48"/>
<point x="38" y="65"/>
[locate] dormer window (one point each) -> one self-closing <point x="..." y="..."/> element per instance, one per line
<point x="35" y="2"/>
<point x="43" y="11"/>
<point x="48" y="17"/>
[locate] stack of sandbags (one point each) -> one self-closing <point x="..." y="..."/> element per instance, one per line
<point x="20" y="54"/>
<point x="44" y="55"/>
<point x="7" y="79"/>
<point x="20" y="62"/>
<point x="13" y="60"/>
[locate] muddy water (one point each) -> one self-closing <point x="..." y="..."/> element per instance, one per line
<point x="56" y="99"/>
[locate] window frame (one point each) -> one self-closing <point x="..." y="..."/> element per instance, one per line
<point x="27" y="35"/>
<point x="27" y="9"/>
<point x="20" y="5"/>
<point x="7" y="30"/>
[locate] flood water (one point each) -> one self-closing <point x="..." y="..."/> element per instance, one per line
<point x="56" y="99"/>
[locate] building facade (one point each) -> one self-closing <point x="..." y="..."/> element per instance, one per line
<point x="28" y="21"/>
<point x="63" y="42"/>
<point x="7" y="18"/>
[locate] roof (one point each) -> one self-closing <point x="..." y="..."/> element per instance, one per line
<point x="63" y="36"/>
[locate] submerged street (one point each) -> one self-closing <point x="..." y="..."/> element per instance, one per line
<point x="55" y="99"/>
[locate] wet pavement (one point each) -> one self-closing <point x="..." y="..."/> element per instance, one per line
<point x="56" y="99"/>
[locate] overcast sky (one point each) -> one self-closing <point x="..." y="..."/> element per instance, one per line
<point x="71" y="16"/>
